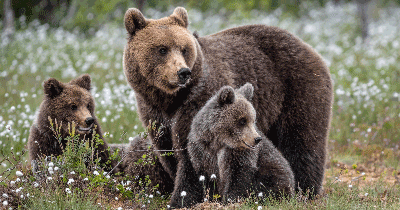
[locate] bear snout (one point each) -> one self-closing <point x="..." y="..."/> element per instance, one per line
<point x="89" y="121"/>
<point x="184" y="75"/>
<point x="257" y="140"/>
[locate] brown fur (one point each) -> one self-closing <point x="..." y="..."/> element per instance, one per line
<point x="129" y="165"/>
<point x="292" y="90"/>
<point x="64" y="103"/>
<point x="224" y="140"/>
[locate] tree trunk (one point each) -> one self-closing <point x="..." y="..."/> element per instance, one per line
<point x="71" y="12"/>
<point x="9" y="27"/>
<point x="362" y="6"/>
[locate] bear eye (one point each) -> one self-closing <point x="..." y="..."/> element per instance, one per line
<point x="88" y="106"/>
<point x="184" y="52"/>
<point x="163" y="50"/>
<point x="74" y="107"/>
<point x="242" y="121"/>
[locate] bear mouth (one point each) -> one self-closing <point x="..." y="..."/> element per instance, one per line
<point x="251" y="147"/>
<point x="177" y="85"/>
<point x="87" y="129"/>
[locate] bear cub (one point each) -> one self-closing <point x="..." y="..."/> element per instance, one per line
<point x="65" y="105"/>
<point x="225" y="141"/>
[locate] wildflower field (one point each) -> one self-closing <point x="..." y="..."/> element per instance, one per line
<point x="363" y="166"/>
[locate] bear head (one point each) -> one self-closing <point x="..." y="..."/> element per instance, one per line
<point x="69" y="103"/>
<point x="160" y="53"/>
<point x="228" y="119"/>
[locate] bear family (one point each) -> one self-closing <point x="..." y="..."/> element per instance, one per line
<point x="174" y="73"/>
<point x="224" y="140"/>
<point x="65" y="105"/>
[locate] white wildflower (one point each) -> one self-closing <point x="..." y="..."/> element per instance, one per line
<point x="119" y="208"/>
<point x="35" y="184"/>
<point x="85" y="179"/>
<point x="19" y="173"/>
<point x="19" y="190"/>
<point x="96" y="173"/>
<point x="67" y="190"/>
<point x="363" y="173"/>
<point x="70" y="181"/>
<point x="202" y="178"/>
<point x="350" y="186"/>
<point x="5" y="203"/>
<point x="51" y="164"/>
<point x="56" y="168"/>
<point x="366" y="194"/>
<point x="183" y="193"/>
<point x="72" y="172"/>
<point x="108" y="176"/>
<point x="49" y="178"/>
<point x="5" y="195"/>
<point x="116" y="198"/>
<point x="150" y="196"/>
<point x="259" y="207"/>
<point x="213" y="176"/>
<point x="205" y="199"/>
<point x="260" y="194"/>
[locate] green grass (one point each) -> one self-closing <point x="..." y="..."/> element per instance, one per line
<point x="366" y="111"/>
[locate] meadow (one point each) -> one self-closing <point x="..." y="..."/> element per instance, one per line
<point x="363" y="166"/>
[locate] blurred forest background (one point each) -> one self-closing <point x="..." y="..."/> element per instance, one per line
<point x="89" y="15"/>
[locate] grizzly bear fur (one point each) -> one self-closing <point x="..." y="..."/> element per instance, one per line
<point x="223" y="140"/>
<point x="174" y="73"/>
<point x="133" y="164"/>
<point x="63" y="104"/>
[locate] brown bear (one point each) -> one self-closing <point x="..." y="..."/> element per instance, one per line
<point x="133" y="164"/>
<point x="174" y="73"/>
<point x="224" y="140"/>
<point x="65" y="103"/>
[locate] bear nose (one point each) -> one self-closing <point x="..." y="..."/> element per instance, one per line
<point x="89" y="121"/>
<point x="184" y="75"/>
<point x="257" y="140"/>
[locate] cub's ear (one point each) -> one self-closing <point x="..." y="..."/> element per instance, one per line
<point x="226" y="96"/>
<point x="134" y="21"/>
<point x="83" y="81"/>
<point x="181" y="16"/>
<point x="247" y="91"/>
<point x="52" y="87"/>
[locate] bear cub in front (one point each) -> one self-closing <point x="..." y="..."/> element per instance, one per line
<point x="67" y="104"/>
<point x="224" y="141"/>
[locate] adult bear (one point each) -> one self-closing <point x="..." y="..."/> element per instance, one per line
<point x="174" y="73"/>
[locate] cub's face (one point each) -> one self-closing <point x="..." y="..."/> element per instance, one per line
<point x="227" y="119"/>
<point x="70" y="103"/>
<point x="161" y="52"/>
<point x="236" y="127"/>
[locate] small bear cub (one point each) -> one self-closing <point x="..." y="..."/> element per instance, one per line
<point x="225" y="141"/>
<point x="65" y="105"/>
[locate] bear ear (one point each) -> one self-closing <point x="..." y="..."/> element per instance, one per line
<point x="181" y="16"/>
<point x="226" y="96"/>
<point x="52" y="87"/>
<point x="247" y="91"/>
<point x="83" y="81"/>
<point x="134" y="21"/>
